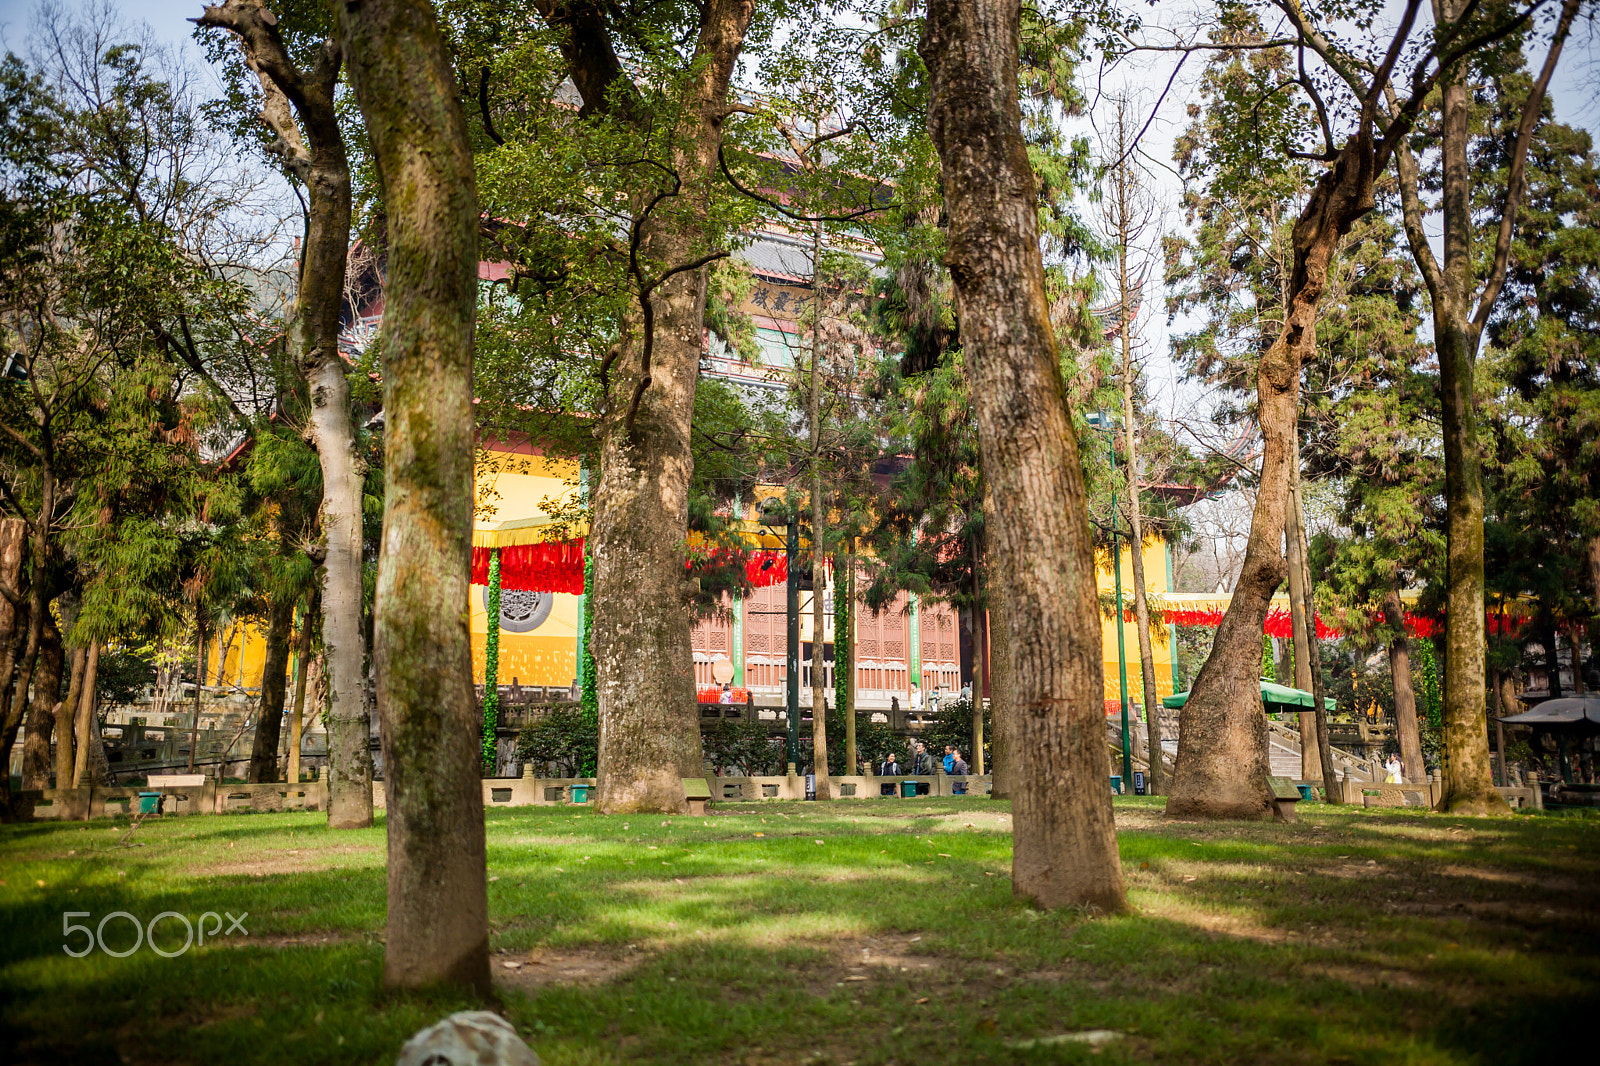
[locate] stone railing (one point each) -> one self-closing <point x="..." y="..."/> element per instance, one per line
<point x="209" y="797"/>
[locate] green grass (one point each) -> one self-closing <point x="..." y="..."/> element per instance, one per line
<point x="868" y="932"/>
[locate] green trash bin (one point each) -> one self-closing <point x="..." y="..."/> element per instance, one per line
<point x="580" y="793"/>
<point x="1305" y="792"/>
<point x="1116" y="784"/>
<point x="149" y="803"/>
<point x="908" y="790"/>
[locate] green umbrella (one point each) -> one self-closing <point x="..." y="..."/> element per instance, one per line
<point x="1274" y="695"/>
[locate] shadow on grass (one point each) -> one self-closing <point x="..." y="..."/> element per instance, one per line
<point x="1251" y="943"/>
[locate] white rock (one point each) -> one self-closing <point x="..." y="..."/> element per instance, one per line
<point x="468" y="1038"/>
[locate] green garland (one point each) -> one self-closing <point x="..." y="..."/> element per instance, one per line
<point x="1433" y="702"/>
<point x="590" y="700"/>
<point x="491" y="666"/>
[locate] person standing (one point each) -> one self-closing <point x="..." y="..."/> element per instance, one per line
<point x="890" y="767"/>
<point x="958" y="766"/>
<point x="727" y="693"/>
<point x="1392" y="770"/>
<point x="915" y="701"/>
<point x="922" y="762"/>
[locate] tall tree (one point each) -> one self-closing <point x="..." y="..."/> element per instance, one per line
<point x="1222" y="759"/>
<point x="1128" y="212"/>
<point x="437" y="929"/>
<point x="298" y="109"/>
<point x="1065" y="841"/>
<point x="1464" y="297"/>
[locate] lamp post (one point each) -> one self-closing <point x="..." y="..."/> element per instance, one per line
<point x="773" y="515"/>
<point x="1103" y="423"/>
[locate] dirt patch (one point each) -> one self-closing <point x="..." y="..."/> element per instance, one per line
<point x="279" y="941"/>
<point x="544" y="967"/>
<point x="292" y="861"/>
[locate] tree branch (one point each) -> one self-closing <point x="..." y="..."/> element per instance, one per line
<point x="1531" y="109"/>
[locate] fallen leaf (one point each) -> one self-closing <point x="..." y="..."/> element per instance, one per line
<point x="494" y="878"/>
<point x="944" y="855"/>
<point x="1188" y="877"/>
<point x="921" y="1001"/>
<point x="819" y="842"/>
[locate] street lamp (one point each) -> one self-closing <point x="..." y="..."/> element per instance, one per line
<point x="774" y="516"/>
<point x="1099" y="421"/>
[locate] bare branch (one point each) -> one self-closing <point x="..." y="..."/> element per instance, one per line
<point x="1531" y="108"/>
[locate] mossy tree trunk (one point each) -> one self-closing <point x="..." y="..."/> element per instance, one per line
<point x="1065" y="851"/>
<point x="1464" y="286"/>
<point x="437" y="929"/>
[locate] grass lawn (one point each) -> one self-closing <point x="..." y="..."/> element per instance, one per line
<point x="870" y="931"/>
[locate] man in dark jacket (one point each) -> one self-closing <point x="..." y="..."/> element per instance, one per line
<point x="959" y="767"/>
<point x="922" y="762"/>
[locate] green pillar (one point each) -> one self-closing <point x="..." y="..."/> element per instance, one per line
<point x="583" y="597"/>
<point x="915" y="636"/>
<point x="792" y="610"/>
<point x="1172" y="627"/>
<point x="738" y="643"/>
<point x="491" y="664"/>
<point x="1122" y="655"/>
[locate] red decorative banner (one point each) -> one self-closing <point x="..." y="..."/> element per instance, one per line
<point x="1279" y="623"/>
<point x="557" y="566"/>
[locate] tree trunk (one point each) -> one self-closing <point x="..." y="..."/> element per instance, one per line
<point x="200" y="650"/>
<point x="1065" y="849"/>
<point x="274" y="683"/>
<point x="85" y="712"/>
<point x="649" y="727"/>
<point x="1458" y="327"/>
<point x="65" y="714"/>
<point x="1001" y="756"/>
<point x="302" y="669"/>
<point x="1141" y="603"/>
<point x="17" y="699"/>
<point x="321" y="161"/>
<point x="1222" y="760"/>
<point x="1405" y="693"/>
<point x="42" y="709"/>
<point x="1295" y="549"/>
<point x="980" y="649"/>
<point x="13" y="617"/>
<point x="437" y="928"/>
